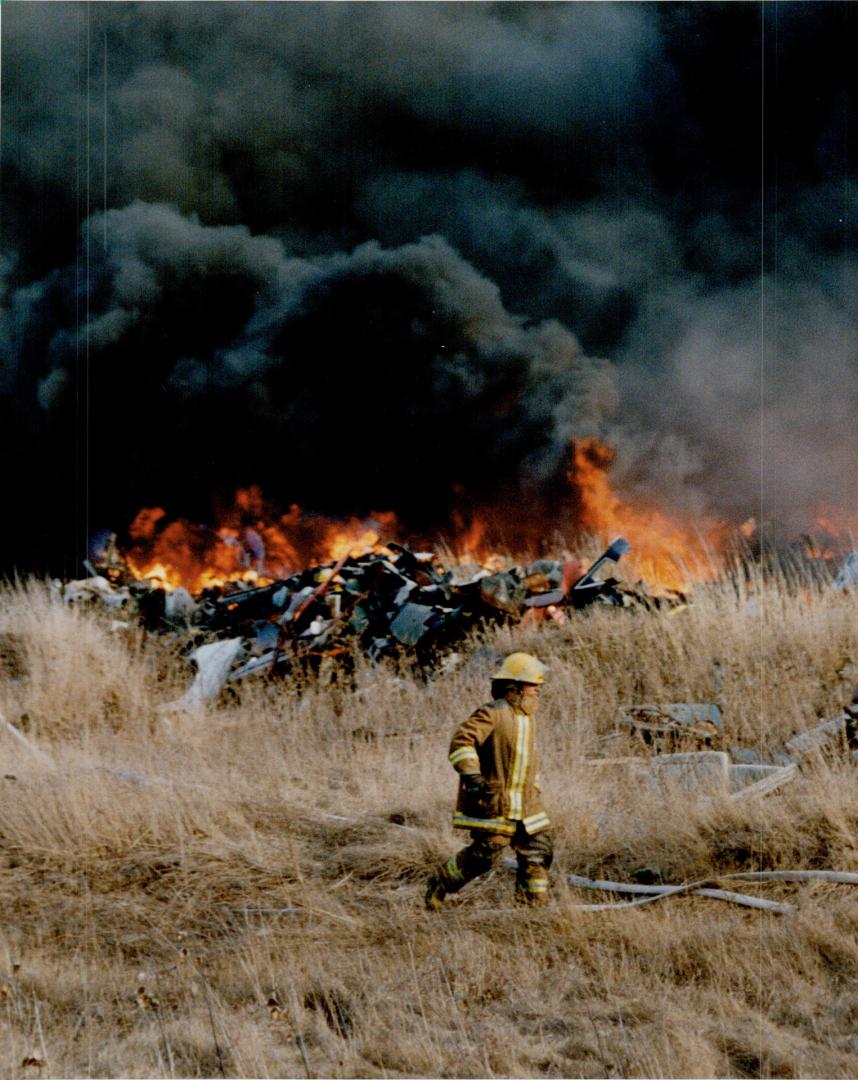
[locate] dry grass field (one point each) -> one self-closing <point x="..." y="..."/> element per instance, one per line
<point x="136" y="851"/>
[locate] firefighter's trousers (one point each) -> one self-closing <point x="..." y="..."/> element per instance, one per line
<point x="534" y="855"/>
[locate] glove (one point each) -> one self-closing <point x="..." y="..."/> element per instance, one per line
<point x="478" y="795"/>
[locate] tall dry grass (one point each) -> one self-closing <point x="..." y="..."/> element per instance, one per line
<point x="138" y="848"/>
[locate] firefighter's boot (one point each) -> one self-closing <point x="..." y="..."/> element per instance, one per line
<point x="532" y="886"/>
<point x="436" y="891"/>
<point x="447" y="879"/>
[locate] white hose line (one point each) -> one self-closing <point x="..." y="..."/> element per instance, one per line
<point x="840" y="876"/>
<point x="649" y="893"/>
<point x="746" y="901"/>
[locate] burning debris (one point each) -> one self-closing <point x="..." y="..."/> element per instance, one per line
<point x="390" y="602"/>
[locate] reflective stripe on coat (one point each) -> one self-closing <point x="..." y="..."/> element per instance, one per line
<point x="499" y="741"/>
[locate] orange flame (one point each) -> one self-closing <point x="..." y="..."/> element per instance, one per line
<point x="248" y="547"/>
<point x="252" y="543"/>
<point x="666" y="552"/>
<point x="748" y="528"/>
<point x="836" y="536"/>
<point x="843" y="527"/>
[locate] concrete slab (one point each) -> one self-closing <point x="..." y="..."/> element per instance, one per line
<point x="743" y="775"/>
<point x="703" y="772"/>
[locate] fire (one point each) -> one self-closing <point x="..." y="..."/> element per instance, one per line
<point x="356" y="538"/>
<point x="666" y="552"/>
<point x="252" y="543"/>
<point x="249" y="546"/>
<point x="840" y="527"/>
<point x="471" y="543"/>
<point x="835" y="534"/>
<point x="748" y="528"/>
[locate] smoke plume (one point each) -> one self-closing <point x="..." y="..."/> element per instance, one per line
<point x="364" y="255"/>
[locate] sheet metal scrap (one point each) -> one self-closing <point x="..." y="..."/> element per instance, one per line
<point x="393" y="603"/>
<point x="764" y="780"/>
<point x="505" y="592"/>
<point x="672" y="724"/>
<point x="92" y="590"/>
<point x="572" y="588"/>
<point x="213" y="663"/>
<point x="246" y="606"/>
<point x="562" y="585"/>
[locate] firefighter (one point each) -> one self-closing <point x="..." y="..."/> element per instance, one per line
<point x="494" y="753"/>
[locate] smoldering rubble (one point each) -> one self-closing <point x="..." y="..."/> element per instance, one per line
<point x="394" y="604"/>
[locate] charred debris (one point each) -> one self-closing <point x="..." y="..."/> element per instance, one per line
<point x="398" y="604"/>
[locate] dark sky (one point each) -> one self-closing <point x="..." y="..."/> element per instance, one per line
<point x="394" y="256"/>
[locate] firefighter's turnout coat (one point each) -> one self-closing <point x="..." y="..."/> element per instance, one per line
<point x="499" y="741"/>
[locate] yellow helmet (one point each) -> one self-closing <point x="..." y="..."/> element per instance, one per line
<point x="522" y="667"/>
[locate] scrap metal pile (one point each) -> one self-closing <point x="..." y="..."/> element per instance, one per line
<point x="395" y="603"/>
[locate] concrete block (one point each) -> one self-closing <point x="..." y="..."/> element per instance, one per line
<point x="815" y="738"/>
<point x="743" y="775"/>
<point x="704" y="772"/>
<point x="767" y="784"/>
<point x="743" y="755"/>
<point x="619" y="770"/>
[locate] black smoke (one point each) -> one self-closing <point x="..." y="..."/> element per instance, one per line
<point x="364" y="254"/>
